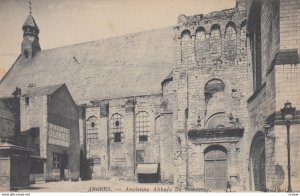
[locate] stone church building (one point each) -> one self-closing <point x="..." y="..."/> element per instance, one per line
<point x="197" y="104"/>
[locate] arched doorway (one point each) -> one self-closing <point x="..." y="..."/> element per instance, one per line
<point x="215" y="167"/>
<point x="258" y="162"/>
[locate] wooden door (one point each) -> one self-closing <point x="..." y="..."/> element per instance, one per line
<point x="215" y="169"/>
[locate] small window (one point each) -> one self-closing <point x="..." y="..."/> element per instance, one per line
<point x="117" y="137"/>
<point x="143" y="138"/>
<point x="26" y="54"/>
<point x="26" y="100"/>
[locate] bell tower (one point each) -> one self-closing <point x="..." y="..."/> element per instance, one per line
<point x="30" y="45"/>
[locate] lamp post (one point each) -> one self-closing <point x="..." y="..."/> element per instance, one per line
<point x="288" y="113"/>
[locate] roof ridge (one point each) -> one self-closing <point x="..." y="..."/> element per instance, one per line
<point x="108" y="38"/>
<point x="49" y="89"/>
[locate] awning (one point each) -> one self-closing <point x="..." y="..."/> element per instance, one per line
<point x="147" y="168"/>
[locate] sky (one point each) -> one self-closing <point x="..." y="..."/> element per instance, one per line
<point x="66" y="22"/>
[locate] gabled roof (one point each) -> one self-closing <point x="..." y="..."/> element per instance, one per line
<point x="41" y="91"/>
<point x="122" y="66"/>
<point x="30" y="22"/>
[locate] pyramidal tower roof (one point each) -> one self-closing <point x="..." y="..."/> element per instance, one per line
<point x="30" y="22"/>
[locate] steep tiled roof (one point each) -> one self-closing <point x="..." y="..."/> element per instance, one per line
<point x="121" y="66"/>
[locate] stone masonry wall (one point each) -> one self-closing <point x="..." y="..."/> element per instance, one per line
<point x="280" y="86"/>
<point x="212" y="48"/>
<point x="121" y="153"/>
<point x="166" y="147"/>
<point x="289" y="24"/>
<point x="34" y="115"/>
<point x="269" y="33"/>
<point x="261" y="105"/>
<point x="287" y="77"/>
<point x="119" y="158"/>
<point x="99" y="150"/>
<point x="150" y="105"/>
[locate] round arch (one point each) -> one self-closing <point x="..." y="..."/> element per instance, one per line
<point x="257" y="162"/>
<point x="185" y="32"/>
<point x="200" y="29"/>
<point x="215" y="27"/>
<point x="230" y="24"/>
<point x="214" y="80"/>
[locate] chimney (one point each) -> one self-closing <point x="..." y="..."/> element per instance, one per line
<point x="17" y="92"/>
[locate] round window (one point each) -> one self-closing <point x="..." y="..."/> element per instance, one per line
<point x="117" y="123"/>
<point x="93" y="124"/>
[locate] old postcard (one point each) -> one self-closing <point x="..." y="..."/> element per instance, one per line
<point x="150" y="96"/>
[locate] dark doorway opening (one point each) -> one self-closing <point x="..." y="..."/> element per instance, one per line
<point x="60" y="162"/>
<point x="148" y="173"/>
<point x="258" y="162"/>
<point x="148" y="178"/>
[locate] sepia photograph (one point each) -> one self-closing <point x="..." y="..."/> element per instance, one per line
<point x="150" y="96"/>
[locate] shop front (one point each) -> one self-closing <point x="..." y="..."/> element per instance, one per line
<point x="58" y="150"/>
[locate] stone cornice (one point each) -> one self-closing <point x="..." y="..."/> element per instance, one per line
<point x="227" y="134"/>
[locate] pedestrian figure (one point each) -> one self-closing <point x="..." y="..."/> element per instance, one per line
<point x="228" y="186"/>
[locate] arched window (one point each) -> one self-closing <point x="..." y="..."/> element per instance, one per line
<point x="116" y="127"/>
<point x="212" y="87"/>
<point x="200" y="46"/>
<point x="255" y="42"/>
<point x="230" y="41"/>
<point x="92" y="131"/>
<point x="215" y="167"/>
<point x="214" y="92"/>
<point x="142" y="126"/>
<point x="215" y="41"/>
<point x="186" y="47"/>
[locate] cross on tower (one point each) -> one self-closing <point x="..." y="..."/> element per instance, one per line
<point x="30" y="6"/>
